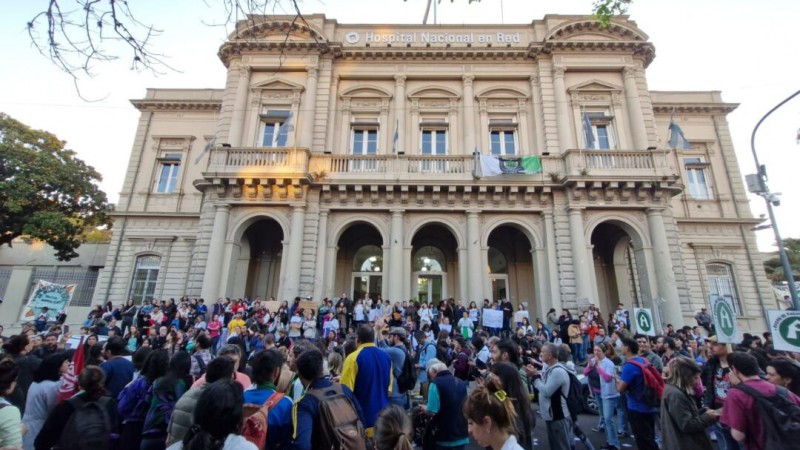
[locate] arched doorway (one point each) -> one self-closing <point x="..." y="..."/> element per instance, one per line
<point x="510" y="266"/>
<point x="434" y="263"/>
<point x="360" y="262"/>
<point x="619" y="266"/>
<point x="258" y="263"/>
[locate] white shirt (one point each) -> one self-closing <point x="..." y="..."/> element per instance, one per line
<point x="232" y="442"/>
<point x="511" y="444"/>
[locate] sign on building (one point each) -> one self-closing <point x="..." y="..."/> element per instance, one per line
<point x="724" y="319"/>
<point x="644" y="321"/>
<point x="785" y="328"/>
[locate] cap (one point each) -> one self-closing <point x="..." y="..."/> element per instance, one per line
<point x="400" y="331"/>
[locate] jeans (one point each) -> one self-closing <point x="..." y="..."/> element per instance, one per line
<point x="622" y="415"/>
<point x="559" y="434"/>
<point x="577" y="358"/>
<point x="724" y="439"/>
<point x="609" y="405"/>
<point x="643" y="426"/>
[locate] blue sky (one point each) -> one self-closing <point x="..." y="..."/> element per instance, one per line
<point x="746" y="49"/>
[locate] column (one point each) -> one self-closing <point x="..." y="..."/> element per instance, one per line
<point x="344" y="128"/>
<point x="17" y="290"/>
<point x="484" y="131"/>
<point x="414" y="145"/>
<point x="330" y="271"/>
<point x="330" y="129"/>
<point x="319" y="267"/>
<point x="552" y="260"/>
<point x="476" y="276"/>
<point x="216" y="248"/>
<point x="309" y="109"/>
<point x="538" y="114"/>
<point x="565" y="132"/>
<point x="387" y="131"/>
<point x="580" y="257"/>
<point x="634" y="108"/>
<point x="239" y="107"/>
<point x="525" y="145"/>
<point x="399" y="116"/>
<point x="395" y="271"/>
<point x="290" y="285"/>
<point x="662" y="260"/>
<point x="468" y="115"/>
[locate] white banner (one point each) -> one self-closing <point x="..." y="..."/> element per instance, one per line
<point x="644" y="321"/>
<point x="519" y="315"/>
<point x="492" y="318"/>
<point x="785" y="328"/>
<point x="724" y="320"/>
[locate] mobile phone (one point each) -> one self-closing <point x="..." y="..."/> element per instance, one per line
<point x="65" y="328"/>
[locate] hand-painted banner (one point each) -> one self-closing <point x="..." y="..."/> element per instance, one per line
<point x="55" y="297"/>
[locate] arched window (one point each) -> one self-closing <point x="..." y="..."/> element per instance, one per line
<point x="497" y="261"/>
<point x="145" y="275"/>
<point x="368" y="258"/>
<point x="720" y="282"/>
<point x="429" y="259"/>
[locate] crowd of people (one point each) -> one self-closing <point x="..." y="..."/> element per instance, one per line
<point x="367" y="373"/>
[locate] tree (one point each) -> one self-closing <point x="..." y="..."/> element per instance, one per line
<point x="46" y="193"/>
<point x="76" y="34"/>
<point x="773" y="265"/>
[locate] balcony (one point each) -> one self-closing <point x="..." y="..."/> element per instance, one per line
<point x="252" y="162"/>
<point x="617" y="164"/>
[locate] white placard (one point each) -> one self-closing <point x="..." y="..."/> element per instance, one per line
<point x="492" y="318"/>
<point x="724" y="320"/>
<point x="785" y="328"/>
<point x="644" y="321"/>
<point x="519" y="315"/>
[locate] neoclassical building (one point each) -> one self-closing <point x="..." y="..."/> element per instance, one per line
<point x="340" y="158"/>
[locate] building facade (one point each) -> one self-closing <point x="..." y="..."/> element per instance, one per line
<point x="340" y="158"/>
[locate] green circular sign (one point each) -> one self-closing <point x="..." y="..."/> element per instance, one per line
<point x="725" y="319"/>
<point x="643" y="321"/>
<point x="789" y="329"/>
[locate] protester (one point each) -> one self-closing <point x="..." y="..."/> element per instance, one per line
<point x="118" y="370"/>
<point x="165" y="394"/>
<point x="233" y="352"/>
<point x="631" y="382"/>
<point x="446" y="394"/>
<point x="683" y="426"/>
<point x="266" y="371"/>
<point x="43" y="394"/>
<point x="524" y="420"/>
<point x="393" y="429"/>
<point x="553" y="387"/>
<point x="491" y="417"/>
<point x="10" y="429"/>
<point x="368" y="373"/>
<point x="784" y="372"/>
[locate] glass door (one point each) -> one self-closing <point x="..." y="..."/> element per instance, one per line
<point x="499" y="287"/>
<point x="370" y="285"/>
<point x="430" y="288"/>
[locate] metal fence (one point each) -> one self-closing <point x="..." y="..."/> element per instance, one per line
<point x="85" y="279"/>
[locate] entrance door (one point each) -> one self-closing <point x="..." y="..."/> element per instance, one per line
<point x="367" y="284"/>
<point x="499" y="287"/>
<point x="430" y="288"/>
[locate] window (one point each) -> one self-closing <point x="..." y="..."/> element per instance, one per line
<point x="503" y="137"/>
<point x="429" y="259"/>
<point x="169" y="169"/>
<point x="276" y="128"/>
<point x="720" y="282"/>
<point x="696" y="179"/>
<point x="145" y="275"/>
<point x="600" y="126"/>
<point x="365" y="141"/>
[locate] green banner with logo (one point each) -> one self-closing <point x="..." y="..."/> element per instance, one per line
<point x="643" y="318"/>
<point x="785" y="328"/>
<point x="725" y="320"/>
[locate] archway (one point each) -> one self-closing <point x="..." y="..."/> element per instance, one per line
<point x="510" y="266"/>
<point x="434" y="264"/>
<point x="360" y="262"/>
<point x="258" y="260"/>
<point x="619" y="266"/>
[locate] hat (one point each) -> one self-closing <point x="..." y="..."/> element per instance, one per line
<point x="400" y="331"/>
<point x="712" y="338"/>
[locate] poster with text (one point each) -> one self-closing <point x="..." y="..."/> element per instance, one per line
<point x="492" y="318"/>
<point x="785" y="328"/>
<point x="55" y="297"/>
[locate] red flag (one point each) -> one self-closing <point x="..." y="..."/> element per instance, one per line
<point x="69" y="381"/>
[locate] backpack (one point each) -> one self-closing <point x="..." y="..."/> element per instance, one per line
<point x="256" y="421"/>
<point x="653" y="383"/>
<point x="575" y="394"/>
<point x="89" y="427"/>
<point x="339" y="422"/>
<point x="444" y="354"/>
<point x="408" y="377"/>
<point x="134" y="401"/>
<point x="780" y="415"/>
<point x="200" y="364"/>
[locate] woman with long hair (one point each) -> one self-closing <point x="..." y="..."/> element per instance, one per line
<point x="133" y="404"/>
<point x="784" y="372"/>
<point x="165" y="393"/>
<point x="43" y="394"/>
<point x="218" y="419"/>
<point x="92" y="383"/>
<point x="682" y="424"/>
<point x="393" y="429"/>
<point x="10" y="429"/>
<point x="490" y="416"/>
<point x="525" y="421"/>
<point x="607" y="395"/>
<point x="133" y="339"/>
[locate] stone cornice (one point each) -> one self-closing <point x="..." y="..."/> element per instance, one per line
<point x="689" y="108"/>
<point x="719" y="221"/>
<point x="398" y="52"/>
<point x="177" y="105"/>
<point x="236" y="48"/>
<point x="644" y="50"/>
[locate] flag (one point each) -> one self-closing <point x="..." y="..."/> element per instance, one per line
<point x="69" y="384"/>
<point x="588" y="133"/>
<point x="676" y="137"/>
<point x="208" y="147"/>
<point x="501" y="165"/>
<point x="396" y="136"/>
<point x="286" y="126"/>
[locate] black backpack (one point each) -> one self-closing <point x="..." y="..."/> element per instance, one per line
<point x="200" y="365"/>
<point x="575" y="397"/>
<point x="408" y="377"/>
<point x="780" y="415"/>
<point x="89" y="427"/>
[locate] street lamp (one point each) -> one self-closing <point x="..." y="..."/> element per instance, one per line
<point x="757" y="184"/>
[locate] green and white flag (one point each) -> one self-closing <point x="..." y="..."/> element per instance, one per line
<point x="643" y="318"/>
<point x="492" y="166"/>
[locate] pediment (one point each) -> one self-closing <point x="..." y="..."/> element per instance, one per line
<point x="502" y="92"/>
<point x="592" y="30"/>
<point x="283" y="30"/>
<point x="278" y="84"/>
<point x="595" y="86"/>
<point x="366" y="91"/>
<point x="434" y="92"/>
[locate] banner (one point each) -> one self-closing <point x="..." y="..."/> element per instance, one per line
<point x="785" y="328"/>
<point x="492" y="318"/>
<point x="505" y="165"/>
<point x="519" y="315"/>
<point x="724" y="320"/>
<point x="55" y="297"/>
<point x="644" y="321"/>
